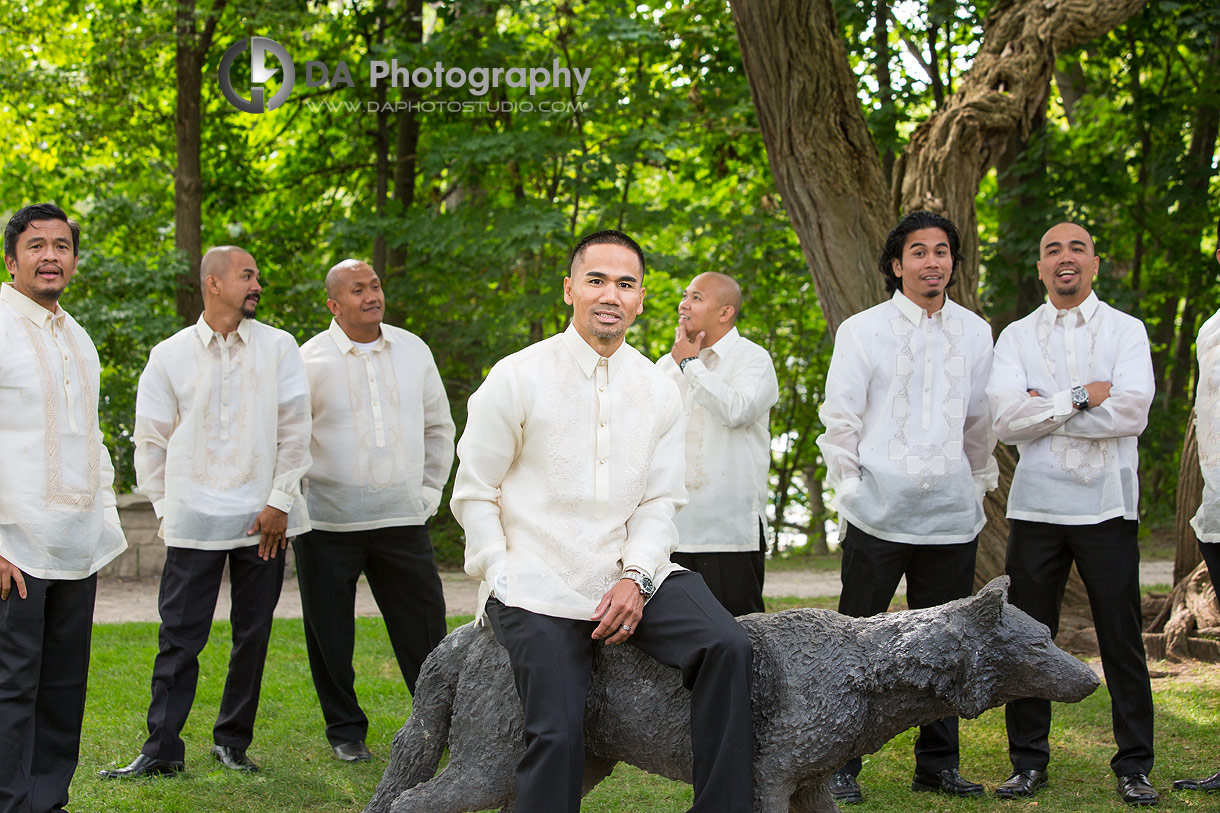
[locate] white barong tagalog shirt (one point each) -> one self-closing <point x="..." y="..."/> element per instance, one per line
<point x="908" y="437"/>
<point x="727" y="394"/>
<point x="1077" y="467"/>
<point x="570" y="470"/>
<point x="58" y="518"/>
<point x="1206" y="521"/>
<point x="382" y="443"/>
<point x="222" y="431"/>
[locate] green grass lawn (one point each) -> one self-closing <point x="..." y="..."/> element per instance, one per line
<point x="298" y="773"/>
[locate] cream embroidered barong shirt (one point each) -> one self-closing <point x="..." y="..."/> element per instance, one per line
<point x="222" y="431"/>
<point x="58" y="518"/>
<point x="1077" y="467"/>
<point x="569" y="471"/>
<point x="908" y="437"/>
<point x="382" y="444"/>
<point x="727" y="393"/>
<point x="1206" y="521"/>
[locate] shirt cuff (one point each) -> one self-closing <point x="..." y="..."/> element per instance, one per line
<point x="281" y="500"/>
<point x="844" y="490"/>
<point x="694" y="367"/>
<point x="1062" y="403"/>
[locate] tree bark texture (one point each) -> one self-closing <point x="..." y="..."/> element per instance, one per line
<point x="1189" y="498"/>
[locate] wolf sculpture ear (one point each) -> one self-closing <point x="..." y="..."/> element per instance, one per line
<point x="988" y="605"/>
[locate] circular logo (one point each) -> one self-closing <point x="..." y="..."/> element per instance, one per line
<point x="259" y="73"/>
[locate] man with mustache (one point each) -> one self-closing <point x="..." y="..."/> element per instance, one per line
<point x="1070" y="387"/>
<point x="382" y="448"/>
<point x="728" y="387"/>
<point x="58" y="520"/>
<point x="222" y="440"/>
<point x="908" y="447"/>
<point x="571" y="467"/>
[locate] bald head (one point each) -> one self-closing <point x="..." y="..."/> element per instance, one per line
<point x="1066" y="231"/>
<point x="721" y="289"/>
<point x="1067" y="264"/>
<point x="341" y="272"/>
<point x="219" y="259"/>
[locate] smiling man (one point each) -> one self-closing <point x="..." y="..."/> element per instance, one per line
<point x="908" y="447"/>
<point x="1070" y="387"/>
<point x="222" y="440"/>
<point x="728" y="387"/>
<point x="58" y="520"/>
<point x="570" y="470"/>
<point x="382" y="449"/>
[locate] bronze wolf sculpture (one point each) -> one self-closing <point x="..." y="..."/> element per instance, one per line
<point x="826" y="688"/>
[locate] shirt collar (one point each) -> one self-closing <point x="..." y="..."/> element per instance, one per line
<point x="1088" y="309"/>
<point x="910" y="310"/>
<point x="345" y="343"/>
<point x="29" y="308"/>
<point x="587" y="358"/>
<point x="205" y="333"/>
<point x="724" y="345"/>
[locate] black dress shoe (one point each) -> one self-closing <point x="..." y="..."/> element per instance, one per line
<point x="354" y="751"/>
<point x="1022" y="784"/>
<point x="1211" y="784"/>
<point x="845" y="789"/>
<point x="144" y="765"/>
<point x="1134" y="789"/>
<point x="234" y="759"/>
<point x="948" y="781"/>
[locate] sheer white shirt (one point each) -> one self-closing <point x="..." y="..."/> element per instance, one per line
<point x="569" y="471"/>
<point x="222" y="431"/>
<point x="1077" y="467"/>
<point x="908" y="441"/>
<point x="727" y="394"/>
<point x="382" y="438"/>
<point x="58" y="518"/>
<point x="1206" y="521"/>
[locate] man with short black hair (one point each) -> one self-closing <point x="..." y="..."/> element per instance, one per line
<point x="1070" y="387"/>
<point x="570" y="470"/>
<point x="222" y="440"/>
<point x="728" y="387"/>
<point x="908" y="447"/>
<point x="59" y="524"/>
<point x="382" y="447"/>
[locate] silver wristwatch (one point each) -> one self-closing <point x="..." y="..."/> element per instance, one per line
<point x="1080" y="398"/>
<point x="682" y="364"/>
<point x="641" y="581"/>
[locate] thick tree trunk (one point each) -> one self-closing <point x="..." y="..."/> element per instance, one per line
<point x="1190" y="496"/>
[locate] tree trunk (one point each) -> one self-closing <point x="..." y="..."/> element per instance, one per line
<point x="188" y="176"/>
<point x="1189" y="498"/>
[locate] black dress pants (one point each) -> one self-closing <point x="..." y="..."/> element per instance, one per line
<point x="935" y="574"/>
<point x="734" y="577"/>
<point x="402" y="574"/>
<point x="1210" y="551"/>
<point x="684" y="627"/>
<point x="190" y="585"/>
<point x="44" y="667"/>
<point x="1107" y="555"/>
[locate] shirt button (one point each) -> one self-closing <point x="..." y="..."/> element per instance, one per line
<point x="601" y="389"/>
<point x="602" y="462"/>
<point x="603" y="423"/>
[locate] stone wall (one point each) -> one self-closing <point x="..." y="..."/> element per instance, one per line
<point x="145" y="554"/>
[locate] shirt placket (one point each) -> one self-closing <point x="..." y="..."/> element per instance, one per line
<point x="226" y="371"/>
<point x="69" y="401"/>
<point x="925" y="417"/>
<point x="601" y="470"/>
<point x="374" y="397"/>
<point x="1069" y="340"/>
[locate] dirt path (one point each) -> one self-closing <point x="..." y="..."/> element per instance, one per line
<point x="120" y="600"/>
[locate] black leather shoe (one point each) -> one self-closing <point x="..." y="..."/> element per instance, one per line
<point x="354" y="751"/>
<point x="844" y="789"/>
<point x="948" y="781"/>
<point x="1211" y="784"/>
<point x="1022" y="784"/>
<point x="234" y="759"/>
<point x="1134" y="789"/>
<point x="144" y="765"/>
